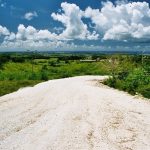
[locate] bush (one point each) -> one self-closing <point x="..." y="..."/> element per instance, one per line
<point x="65" y="74"/>
<point x="111" y="82"/>
<point x="44" y="67"/>
<point x="122" y="75"/>
<point x="135" y="79"/>
<point x="133" y="82"/>
<point x="44" y="76"/>
<point x="33" y="76"/>
<point x="11" y="86"/>
<point x="52" y="63"/>
<point x="145" y="91"/>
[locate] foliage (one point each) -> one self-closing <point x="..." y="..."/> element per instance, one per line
<point x="128" y="72"/>
<point x="135" y="81"/>
<point x="7" y="86"/>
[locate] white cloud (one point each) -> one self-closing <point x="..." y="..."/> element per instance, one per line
<point x="72" y="20"/>
<point x="30" y="15"/>
<point x="11" y="37"/>
<point x="36" y="45"/>
<point x="4" y="31"/>
<point x="30" y="37"/>
<point x="123" y="21"/>
<point x="30" y="33"/>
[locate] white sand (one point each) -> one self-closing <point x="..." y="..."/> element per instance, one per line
<point x="73" y="114"/>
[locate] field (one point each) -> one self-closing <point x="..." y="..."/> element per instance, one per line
<point x="127" y="72"/>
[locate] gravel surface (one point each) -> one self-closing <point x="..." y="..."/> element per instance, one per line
<point x="74" y="114"/>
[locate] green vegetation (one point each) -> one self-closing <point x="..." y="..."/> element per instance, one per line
<point x="7" y="86"/>
<point x="128" y="72"/>
<point x="131" y="74"/>
<point x="20" y="70"/>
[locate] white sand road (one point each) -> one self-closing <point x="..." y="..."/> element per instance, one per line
<point x="73" y="114"/>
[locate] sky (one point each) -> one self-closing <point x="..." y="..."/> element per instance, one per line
<point x="74" y="25"/>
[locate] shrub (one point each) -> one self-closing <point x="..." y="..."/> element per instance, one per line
<point x="33" y="76"/>
<point x="111" y="82"/>
<point x="44" y="76"/>
<point x="52" y="63"/>
<point x="44" y="67"/>
<point x="135" y="81"/>
<point x="11" y="86"/>
<point x="145" y="91"/>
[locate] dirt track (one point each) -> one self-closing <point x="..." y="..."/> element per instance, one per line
<point x="73" y="114"/>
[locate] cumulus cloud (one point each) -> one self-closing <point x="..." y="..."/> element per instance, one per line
<point x="30" y="37"/>
<point x="72" y="21"/>
<point x="31" y="33"/>
<point x="30" y="15"/>
<point x="4" y="31"/>
<point x="37" y="45"/>
<point x="123" y="21"/>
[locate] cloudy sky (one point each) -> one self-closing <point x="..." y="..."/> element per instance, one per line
<point x="74" y="25"/>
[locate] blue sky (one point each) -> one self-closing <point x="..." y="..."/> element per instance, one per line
<point x="74" y="25"/>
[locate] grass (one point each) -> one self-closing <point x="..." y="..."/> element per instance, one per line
<point x="22" y="71"/>
<point x="127" y="72"/>
<point x="15" y="75"/>
<point x="7" y="86"/>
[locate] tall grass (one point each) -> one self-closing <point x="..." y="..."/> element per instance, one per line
<point x="127" y="72"/>
<point x="14" y="75"/>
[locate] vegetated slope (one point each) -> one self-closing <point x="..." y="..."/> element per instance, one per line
<point x="73" y="114"/>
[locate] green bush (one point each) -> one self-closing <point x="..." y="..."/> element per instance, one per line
<point x="11" y="86"/>
<point x="33" y="76"/>
<point x="145" y="91"/>
<point x="134" y="82"/>
<point x="44" y="76"/>
<point x="127" y="71"/>
<point x="111" y="82"/>
<point x="135" y="79"/>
